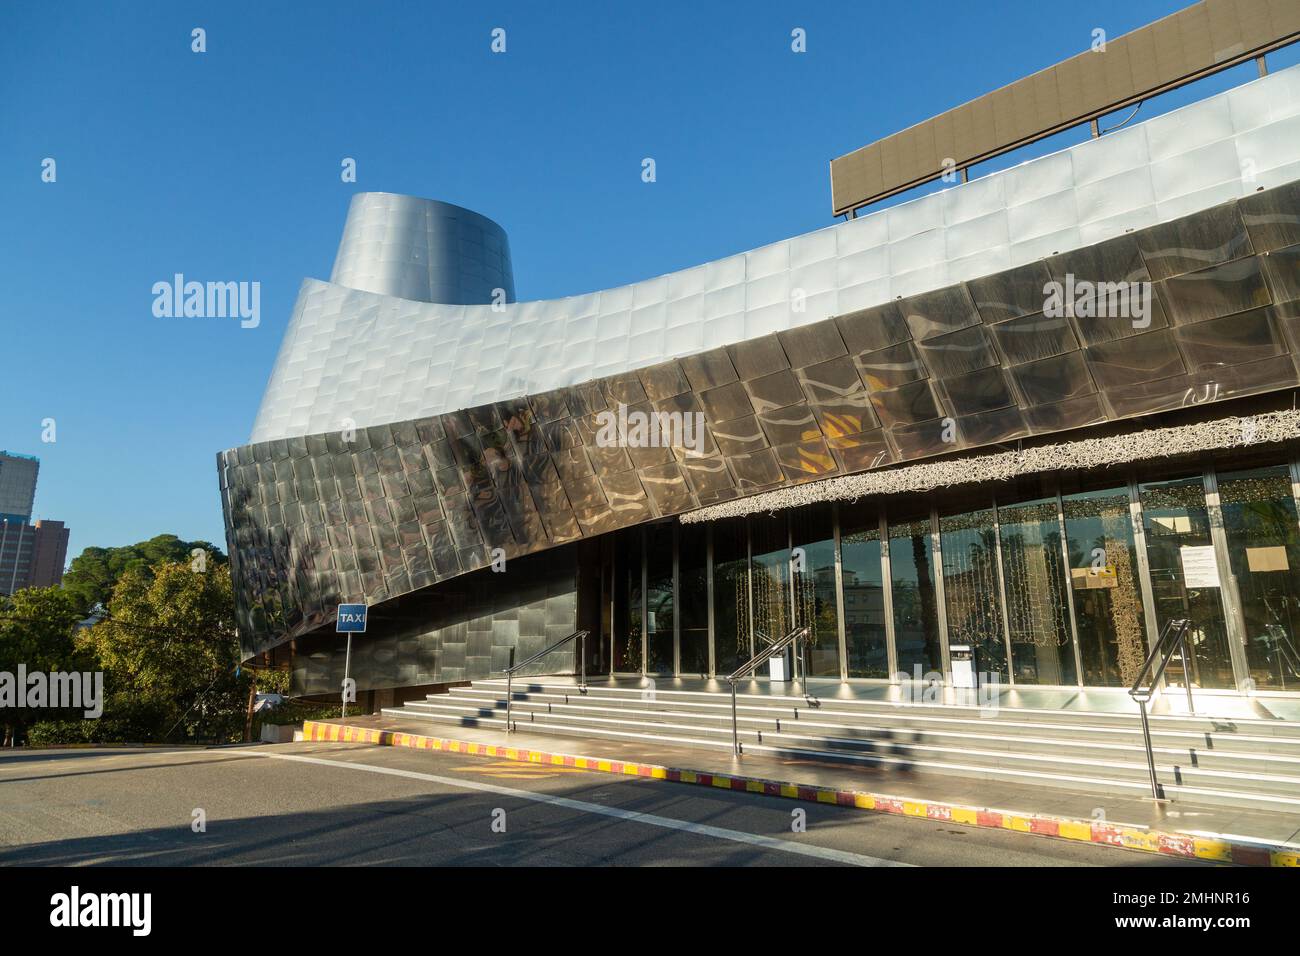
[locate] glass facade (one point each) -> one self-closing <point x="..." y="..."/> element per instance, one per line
<point x="915" y="598"/>
<point x="1037" y="606"/>
<point x="815" y="603"/>
<point x="1104" y="584"/>
<point x="769" y="575"/>
<point x="693" y="610"/>
<point x="660" y="607"/>
<point x="371" y="514"/>
<point x="731" y="641"/>
<point x="1184" y="578"/>
<point x="866" y="634"/>
<point x="1055" y="581"/>
<point x="1259" y="521"/>
<point x="627" y="604"/>
<point x="970" y="579"/>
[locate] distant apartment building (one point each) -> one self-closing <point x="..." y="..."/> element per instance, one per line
<point x="17" y="486"/>
<point x="32" y="555"/>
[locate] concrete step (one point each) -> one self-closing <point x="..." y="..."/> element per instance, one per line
<point x="1202" y="786"/>
<point x="867" y="732"/>
<point x="896" y="720"/>
<point x="1246" y="776"/>
<point x="632" y="696"/>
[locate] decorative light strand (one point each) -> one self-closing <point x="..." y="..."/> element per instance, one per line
<point x="1234" y="432"/>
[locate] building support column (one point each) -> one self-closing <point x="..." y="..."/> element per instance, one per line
<point x="887" y="592"/>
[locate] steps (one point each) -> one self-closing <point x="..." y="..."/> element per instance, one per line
<point x="1245" y="763"/>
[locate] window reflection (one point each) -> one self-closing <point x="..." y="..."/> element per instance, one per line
<point x="916" y="609"/>
<point x="970" y="588"/>
<point x="605" y="654"/>
<point x="693" y="606"/>
<point x="1177" y="528"/>
<point x="814" y="589"/>
<point x="1259" y="516"/>
<point x="1104" y="576"/>
<point x="864" y="595"/>
<point x="659" y="599"/>
<point x="1042" y="649"/>
<point x="1007" y="583"/>
<point x="730" y="595"/>
<point x="627" y="602"/>
<point x="770" y="568"/>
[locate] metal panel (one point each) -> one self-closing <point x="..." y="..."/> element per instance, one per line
<point x="437" y="358"/>
<point x="887" y="586"/>
<point x="424" y="250"/>
<point x="1201" y="39"/>
<point x="839" y="594"/>
<point x="399" y="506"/>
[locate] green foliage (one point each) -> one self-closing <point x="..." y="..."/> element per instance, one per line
<point x="273" y="682"/>
<point x="168" y="651"/>
<point x="166" y="643"/>
<point x="295" y="712"/>
<point x="36" y="630"/>
<point x="95" y="572"/>
<point x="135" y="726"/>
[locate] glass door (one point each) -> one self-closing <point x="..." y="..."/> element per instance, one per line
<point x="731" y="638"/>
<point x="628" y="606"/>
<point x="1037" y="605"/>
<point x="1185" y="579"/>
<point x="660" y="625"/>
<point x="1108" y="612"/>
<point x="971" y="588"/>
<point x="915" y="598"/>
<point x="770" y="568"/>
<point x="1259" y="521"/>
<point x="693" y="600"/>
<point x="812" y="563"/>
<point x="865" y="631"/>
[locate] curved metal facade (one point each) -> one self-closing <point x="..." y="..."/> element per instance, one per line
<point x="423" y="250"/>
<point x="370" y="359"/>
<point x="429" y="483"/>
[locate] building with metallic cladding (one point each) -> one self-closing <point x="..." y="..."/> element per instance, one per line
<point x="17" y="485"/>
<point x="32" y="555"/>
<point x="1039" y="413"/>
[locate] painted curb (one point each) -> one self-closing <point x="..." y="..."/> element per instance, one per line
<point x="1185" y="845"/>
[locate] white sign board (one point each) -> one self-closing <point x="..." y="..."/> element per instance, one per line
<point x="1200" y="570"/>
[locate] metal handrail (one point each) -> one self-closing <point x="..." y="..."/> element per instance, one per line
<point x="1144" y="687"/>
<point x="1287" y="649"/>
<point x="770" y="651"/>
<point x="510" y="671"/>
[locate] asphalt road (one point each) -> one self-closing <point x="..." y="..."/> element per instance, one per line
<point x="325" y="804"/>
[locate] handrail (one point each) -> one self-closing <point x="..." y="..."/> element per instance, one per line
<point x="1174" y="633"/>
<point x="510" y="671"/>
<point x="771" y="650"/>
<point x="1285" y="649"/>
<point x="1144" y="686"/>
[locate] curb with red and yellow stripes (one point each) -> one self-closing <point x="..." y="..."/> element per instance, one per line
<point x="1186" y="845"/>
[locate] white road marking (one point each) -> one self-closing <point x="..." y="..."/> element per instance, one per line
<point x="650" y="819"/>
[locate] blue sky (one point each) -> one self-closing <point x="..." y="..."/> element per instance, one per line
<point x="225" y="166"/>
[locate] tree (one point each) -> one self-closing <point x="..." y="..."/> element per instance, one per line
<point x="94" y="573"/>
<point x="36" y="631"/>
<point x="169" y="651"/>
